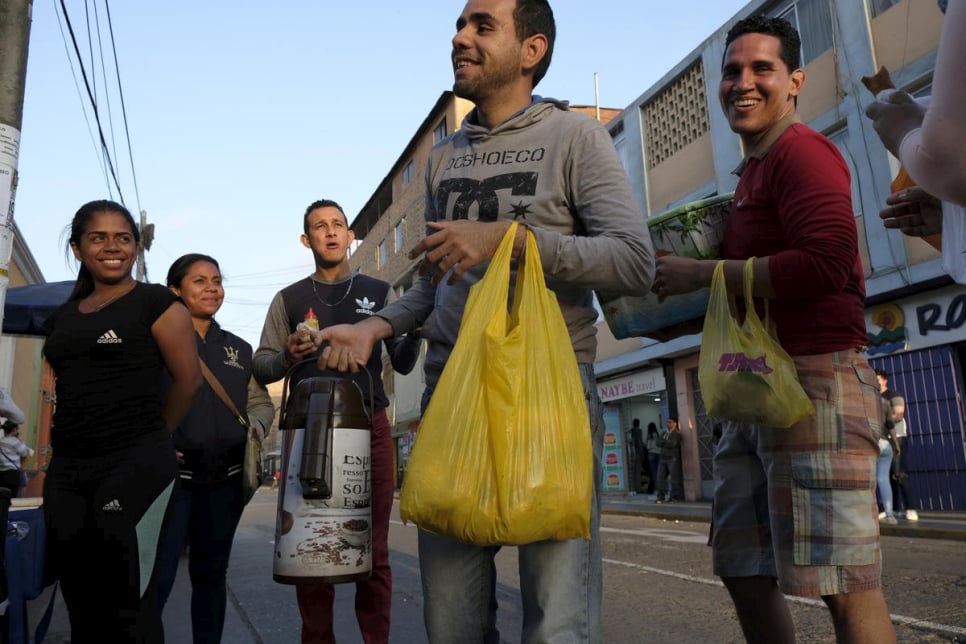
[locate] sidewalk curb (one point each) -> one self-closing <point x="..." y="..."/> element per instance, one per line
<point x="951" y="527"/>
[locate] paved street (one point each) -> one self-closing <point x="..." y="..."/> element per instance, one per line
<point x="658" y="585"/>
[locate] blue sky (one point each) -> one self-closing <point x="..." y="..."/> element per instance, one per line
<point x="241" y="113"/>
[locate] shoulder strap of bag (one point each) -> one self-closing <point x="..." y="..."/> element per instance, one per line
<point x="221" y="393"/>
<point x="15" y="464"/>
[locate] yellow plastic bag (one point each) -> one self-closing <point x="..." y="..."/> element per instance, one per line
<point x="503" y="454"/>
<point x="744" y="373"/>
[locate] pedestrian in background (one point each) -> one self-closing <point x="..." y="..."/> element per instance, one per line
<point x="572" y="193"/>
<point x="210" y="443"/>
<point x="653" y="456"/>
<point x="883" y="466"/>
<point x="901" y="496"/>
<point x="113" y="471"/>
<point x="14" y="453"/>
<point x="792" y="212"/>
<point x="335" y="294"/>
<point x="670" y="475"/>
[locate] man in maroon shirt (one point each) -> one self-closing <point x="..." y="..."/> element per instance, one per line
<point x="794" y="508"/>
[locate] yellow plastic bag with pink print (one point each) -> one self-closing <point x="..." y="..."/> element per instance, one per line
<point x="744" y="373"/>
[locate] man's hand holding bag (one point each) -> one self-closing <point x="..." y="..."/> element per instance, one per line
<point x="744" y="373"/>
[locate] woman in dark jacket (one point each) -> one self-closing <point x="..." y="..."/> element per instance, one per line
<point x="211" y="446"/>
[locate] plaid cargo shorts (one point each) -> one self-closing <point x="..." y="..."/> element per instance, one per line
<point x="799" y="504"/>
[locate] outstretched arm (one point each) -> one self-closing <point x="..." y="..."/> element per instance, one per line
<point x="346" y="347"/>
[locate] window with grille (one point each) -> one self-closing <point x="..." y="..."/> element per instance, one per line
<point x="677" y="116"/>
<point x="813" y="19"/>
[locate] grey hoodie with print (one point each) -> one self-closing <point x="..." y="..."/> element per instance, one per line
<point x="557" y="172"/>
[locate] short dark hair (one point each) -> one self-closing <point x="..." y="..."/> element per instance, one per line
<point x="881" y="373"/>
<point x="532" y="17"/>
<point x="315" y="205"/>
<point x="790" y="50"/>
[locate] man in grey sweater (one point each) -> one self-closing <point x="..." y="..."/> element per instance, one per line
<point x="529" y="159"/>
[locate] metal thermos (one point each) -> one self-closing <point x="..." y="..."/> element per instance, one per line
<point x="323" y="531"/>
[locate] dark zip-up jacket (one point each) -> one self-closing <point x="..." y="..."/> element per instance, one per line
<point x="210" y="437"/>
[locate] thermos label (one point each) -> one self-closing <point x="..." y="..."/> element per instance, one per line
<point x="326" y="540"/>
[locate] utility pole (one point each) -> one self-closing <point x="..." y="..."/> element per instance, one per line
<point x="147" y="236"/>
<point x="14" y="37"/>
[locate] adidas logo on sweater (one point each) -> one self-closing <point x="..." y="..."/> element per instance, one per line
<point x="112" y="506"/>
<point x="109" y="338"/>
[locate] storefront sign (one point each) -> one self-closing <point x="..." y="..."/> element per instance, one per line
<point x="925" y="320"/>
<point x="636" y="384"/>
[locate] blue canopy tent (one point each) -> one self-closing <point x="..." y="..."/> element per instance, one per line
<point x="27" y="307"/>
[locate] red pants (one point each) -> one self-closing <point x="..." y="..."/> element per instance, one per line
<point x="373" y="595"/>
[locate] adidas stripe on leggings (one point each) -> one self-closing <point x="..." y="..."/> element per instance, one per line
<point x="104" y="518"/>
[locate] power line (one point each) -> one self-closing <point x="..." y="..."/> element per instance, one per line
<point x="120" y="92"/>
<point x="93" y="101"/>
<point x="80" y="98"/>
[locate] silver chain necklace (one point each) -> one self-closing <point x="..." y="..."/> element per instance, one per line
<point x="341" y="299"/>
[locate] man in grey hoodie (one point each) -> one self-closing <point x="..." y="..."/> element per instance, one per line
<point x="525" y="158"/>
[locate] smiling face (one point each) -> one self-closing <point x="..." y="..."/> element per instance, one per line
<point x="328" y="236"/>
<point x="201" y="290"/>
<point x="106" y="247"/>
<point x="486" y="51"/>
<point x="757" y="89"/>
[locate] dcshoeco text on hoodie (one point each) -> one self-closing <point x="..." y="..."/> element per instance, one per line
<point x="506" y="157"/>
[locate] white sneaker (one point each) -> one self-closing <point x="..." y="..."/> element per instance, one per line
<point x="888" y="520"/>
<point x="912" y="515"/>
<point x="882" y="515"/>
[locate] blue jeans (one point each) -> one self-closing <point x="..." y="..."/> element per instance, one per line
<point x="560" y="581"/>
<point x="205" y="517"/>
<point x="883" y="471"/>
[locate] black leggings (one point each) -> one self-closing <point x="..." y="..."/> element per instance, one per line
<point x="104" y="519"/>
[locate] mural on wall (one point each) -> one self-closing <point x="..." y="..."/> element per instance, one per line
<point x="891" y="335"/>
<point x="612" y="458"/>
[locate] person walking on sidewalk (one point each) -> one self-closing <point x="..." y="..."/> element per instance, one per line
<point x="210" y="444"/>
<point x="792" y="212"/>
<point x="670" y="476"/>
<point x="901" y="496"/>
<point x="334" y="294"/>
